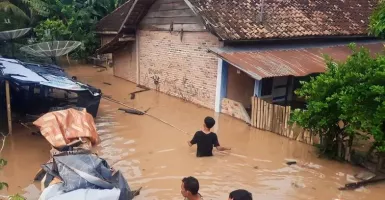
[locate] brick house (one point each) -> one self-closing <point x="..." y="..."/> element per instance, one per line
<point x="207" y="50"/>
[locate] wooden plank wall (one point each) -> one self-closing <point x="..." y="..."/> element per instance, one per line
<point x="275" y="118"/>
<point x="167" y="15"/>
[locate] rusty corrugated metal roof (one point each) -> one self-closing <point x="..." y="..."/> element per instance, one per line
<point x="285" y="62"/>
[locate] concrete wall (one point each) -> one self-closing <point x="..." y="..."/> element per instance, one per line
<point x="178" y="64"/>
<point x="240" y="87"/>
<point x="125" y="63"/>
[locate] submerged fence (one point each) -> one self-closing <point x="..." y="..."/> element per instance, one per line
<point x="275" y="118"/>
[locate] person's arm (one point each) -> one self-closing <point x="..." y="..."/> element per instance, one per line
<point x="194" y="140"/>
<point x="218" y="146"/>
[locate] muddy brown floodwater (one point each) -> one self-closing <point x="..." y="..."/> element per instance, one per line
<point x="155" y="156"/>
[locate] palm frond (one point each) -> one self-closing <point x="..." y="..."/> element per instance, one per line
<point x="7" y="6"/>
<point x="39" y="6"/>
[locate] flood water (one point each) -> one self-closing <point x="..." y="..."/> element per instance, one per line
<point x="154" y="155"/>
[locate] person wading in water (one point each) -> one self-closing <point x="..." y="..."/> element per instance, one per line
<point x="240" y="195"/>
<point x="189" y="189"/>
<point x="205" y="139"/>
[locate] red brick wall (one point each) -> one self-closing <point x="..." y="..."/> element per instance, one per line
<point x="125" y="63"/>
<point x="183" y="68"/>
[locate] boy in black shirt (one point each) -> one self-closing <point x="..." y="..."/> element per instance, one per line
<point x="205" y="139"/>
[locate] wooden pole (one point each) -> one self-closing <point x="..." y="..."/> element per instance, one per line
<point x="8" y="97"/>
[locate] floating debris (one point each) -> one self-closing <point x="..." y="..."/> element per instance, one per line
<point x="291" y="163"/>
<point x="139" y="91"/>
<point x="132" y="111"/>
<point x="364" y="175"/>
<point x="353" y="186"/>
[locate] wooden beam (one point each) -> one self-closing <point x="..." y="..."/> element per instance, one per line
<point x="172" y="13"/>
<point x="128" y="14"/>
<point x="169" y="20"/>
<point x="106" y="32"/>
<point x="176" y="27"/>
<point x="137" y="59"/>
<point x="8" y="99"/>
<point x="125" y="39"/>
<point x="168" y="1"/>
<point x="129" y="27"/>
<point x="173" y="6"/>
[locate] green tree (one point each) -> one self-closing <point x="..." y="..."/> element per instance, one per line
<point x="19" y="13"/>
<point x="58" y="30"/>
<point x="79" y="17"/>
<point x="350" y="93"/>
<point x="377" y="21"/>
<point x="14" y="8"/>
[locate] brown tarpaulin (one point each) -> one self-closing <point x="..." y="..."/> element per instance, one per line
<point x="64" y="126"/>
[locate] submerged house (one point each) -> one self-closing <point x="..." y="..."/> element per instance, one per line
<point x="206" y="50"/>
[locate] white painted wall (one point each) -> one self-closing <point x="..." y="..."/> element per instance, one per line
<point x="218" y="92"/>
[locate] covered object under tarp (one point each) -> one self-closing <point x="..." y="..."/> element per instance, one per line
<point x="36" y="89"/>
<point x="84" y="174"/>
<point x="73" y="171"/>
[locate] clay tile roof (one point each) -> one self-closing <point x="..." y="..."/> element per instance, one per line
<point x="113" y="21"/>
<point x="241" y="19"/>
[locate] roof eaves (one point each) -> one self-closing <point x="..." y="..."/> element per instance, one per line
<point x="209" y="26"/>
<point x="109" y="15"/>
<point x="128" y="14"/>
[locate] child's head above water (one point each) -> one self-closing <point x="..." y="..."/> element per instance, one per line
<point x="209" y="122"/>
<point x="240" y="195"/>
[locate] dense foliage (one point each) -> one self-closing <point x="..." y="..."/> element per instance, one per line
<point x="377" y="21"/>
<point x="347" y="102"/>
<point x="65" y="20"/>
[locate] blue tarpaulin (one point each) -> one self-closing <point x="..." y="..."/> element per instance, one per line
<point x="47" y="75"/>
<point x="83" y="172"/>
<point x="37" y="88"/>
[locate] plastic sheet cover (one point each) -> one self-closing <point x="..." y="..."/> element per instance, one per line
<point x="63" y="126"/>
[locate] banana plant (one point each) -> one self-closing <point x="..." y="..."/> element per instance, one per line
<point x="13" y="8"/>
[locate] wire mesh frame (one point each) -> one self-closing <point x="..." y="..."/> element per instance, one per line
<point x="13" y="34"/>
<point x="51" y="49"/>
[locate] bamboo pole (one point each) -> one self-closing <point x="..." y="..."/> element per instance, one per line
<point x="259" y="114"/>
<point x="252" y="111"/>
<point x="270" y="106"/>
<point x="8" y="99"/>
<point x="279" y="119"/>
<point x="272" y="128"/>
<point x="263" y="115"/>
<point x="287" y="119"/>
<point x="255" y="111"/>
